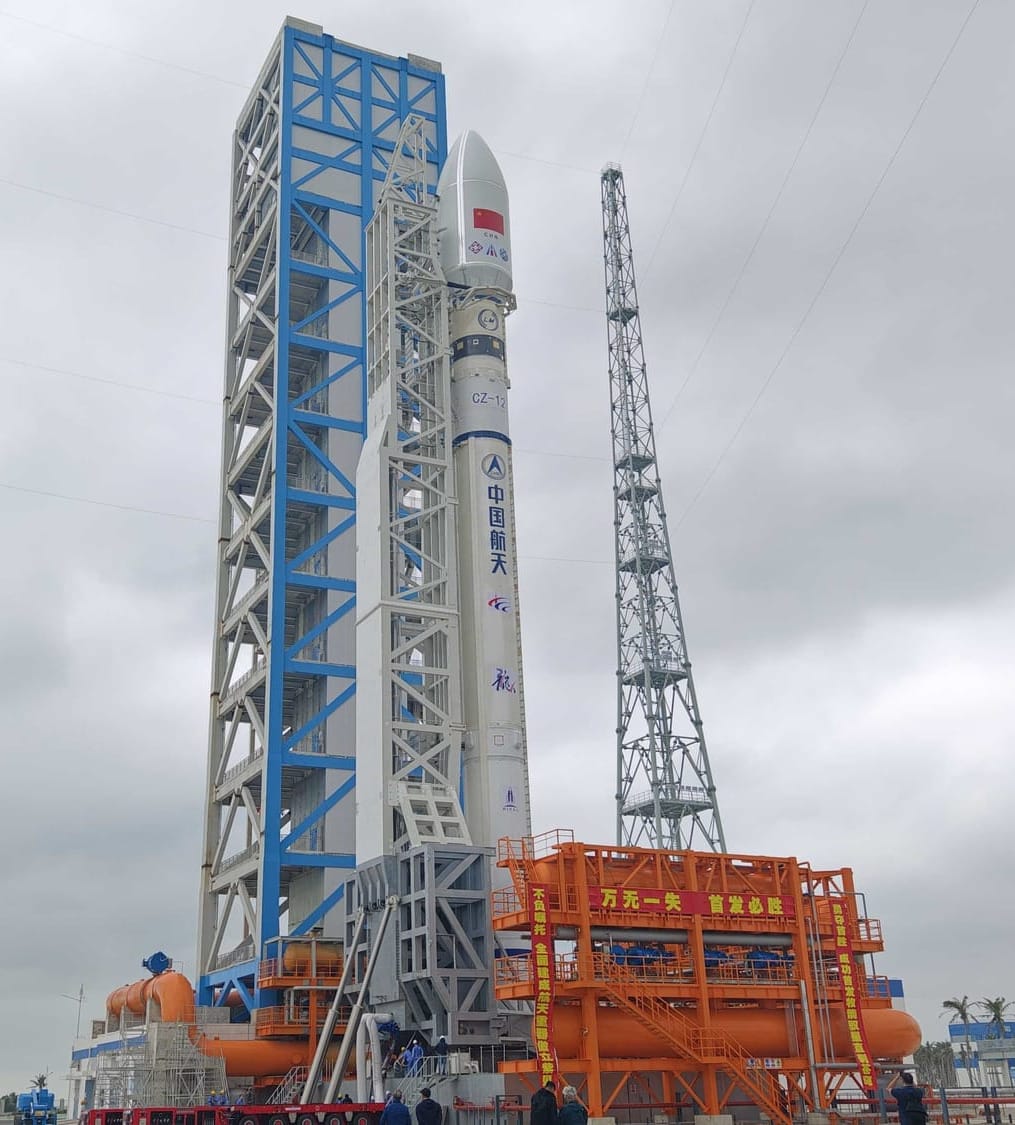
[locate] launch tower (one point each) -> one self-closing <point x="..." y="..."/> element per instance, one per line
<point x="665" y="793"/>
<point x="311" y="148"/>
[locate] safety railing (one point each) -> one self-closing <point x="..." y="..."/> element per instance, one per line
<point x="533" y="847"/>
<point x="506" y="900"/>
<point x="235" y="771"/>
<point x="277" y="968"/>
<point x="291" y="1086"/>
<point x="285" y="1020"/>
<point x="239" y="857"/>
<point x="518" y="970"/>
<point x="703" y="1044"/>
<point x="429" y="1071"/>
<point x="656" y="965"/>
<point x="869" y="929"/>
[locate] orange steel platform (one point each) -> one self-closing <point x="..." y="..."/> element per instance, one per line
<point x="306" y="972"/>
<point x="691" y="979"/>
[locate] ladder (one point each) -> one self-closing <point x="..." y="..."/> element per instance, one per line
<point x="706" y="1045"/>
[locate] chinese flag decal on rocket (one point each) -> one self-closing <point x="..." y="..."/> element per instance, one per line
<point x="485" y="219"/>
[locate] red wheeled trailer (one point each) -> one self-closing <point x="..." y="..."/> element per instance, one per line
<point x="344" y="1113"/>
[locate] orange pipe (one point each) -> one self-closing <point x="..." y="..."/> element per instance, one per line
<point x="257" y="1058"/>
<point x="137" y="997"/>
<point x="233" y="1000"/>
<point x="174" y="994"/>
<point x="890" y="1033"/>
<point x="116" y="1000"/>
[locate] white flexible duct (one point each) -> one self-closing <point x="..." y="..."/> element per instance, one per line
<point x="369" y="1028"/>
<point x="361" y="1060"/>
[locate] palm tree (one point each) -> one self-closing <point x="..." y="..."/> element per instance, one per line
<point x="935" y="1064"/>
<point x="960" y="1011"/>
<point x="40" y="1080"/>
<point x="995" y="1011"/>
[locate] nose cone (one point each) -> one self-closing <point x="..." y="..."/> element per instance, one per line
<point x="473" y="222"/>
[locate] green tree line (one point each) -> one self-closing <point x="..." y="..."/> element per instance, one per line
<point x="935" y="1062"/>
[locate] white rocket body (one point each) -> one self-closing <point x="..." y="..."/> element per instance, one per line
<point x="474" y="231"/>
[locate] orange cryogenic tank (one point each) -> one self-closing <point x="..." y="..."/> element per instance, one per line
<point x="174" y="997"/>
<point x="761" y="1033"/>
<point x="299" y="957"/>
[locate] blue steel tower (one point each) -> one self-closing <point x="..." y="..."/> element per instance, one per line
<point x="310" y="152"/>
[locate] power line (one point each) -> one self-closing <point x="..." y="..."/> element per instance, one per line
<point x="109" y="210"/>
<point x="124" y="51"/>
<point x="701" y="135"/>
<point x="831" y="270"/>
<point x="556" y="559"/>
<point x="204" y="519"/>
<point x="542" y="160"/>
<point x="561" y="453"/>
<point x="109" y="382"/>
<point x="660" y="40"/>
<point x="559" y="305"/>
<point x="104" y="503"/>
<point x="137" y="387"/>
<point x="768" y="218"/>
<point x="221" y="238"/>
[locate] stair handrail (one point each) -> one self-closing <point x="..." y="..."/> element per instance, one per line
<point x="702" y="1043"/>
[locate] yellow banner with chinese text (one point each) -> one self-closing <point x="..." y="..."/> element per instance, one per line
<point x="544" y="976"/>
<point x="717" y="903"/>
<point x="854" y="1013"/>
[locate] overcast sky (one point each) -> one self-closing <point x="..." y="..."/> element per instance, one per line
<point x="821" y="207"/>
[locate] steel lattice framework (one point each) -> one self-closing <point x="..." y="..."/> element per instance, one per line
<point x="410" y="725"/>
<point x="311" y="148"/>
<point x="666" y="797"/>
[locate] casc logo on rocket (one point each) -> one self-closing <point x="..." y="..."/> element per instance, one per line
<point x="494" y="467"/>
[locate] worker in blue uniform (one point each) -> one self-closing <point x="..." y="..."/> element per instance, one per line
<point x="909" y="1100"/>
<point x="396" y="1112"/>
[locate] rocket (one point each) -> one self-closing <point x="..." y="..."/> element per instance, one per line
<point x="475" y="252"/>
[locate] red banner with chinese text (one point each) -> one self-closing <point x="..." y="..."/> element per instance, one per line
<point x="854" y="1014"/>
<point x="644" y="900"/>
<point x="543" y="975"/>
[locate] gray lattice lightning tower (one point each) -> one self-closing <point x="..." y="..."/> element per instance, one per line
<point x="665" y="793"/>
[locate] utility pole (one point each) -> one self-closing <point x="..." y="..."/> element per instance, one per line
<point x="79" y="1000"/>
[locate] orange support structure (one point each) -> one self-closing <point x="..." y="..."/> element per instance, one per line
<point x="306" y="972"/>
<point x="664" y="979"/>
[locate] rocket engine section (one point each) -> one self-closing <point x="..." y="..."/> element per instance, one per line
<point x="475" y="249"/>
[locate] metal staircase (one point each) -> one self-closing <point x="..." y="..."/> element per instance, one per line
<point x="288" y="1090"/>
<point x="705" y="1045"/>
<point x="426" y="1074"/>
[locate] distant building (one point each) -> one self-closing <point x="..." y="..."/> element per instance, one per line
<point x="983" y="1056"/>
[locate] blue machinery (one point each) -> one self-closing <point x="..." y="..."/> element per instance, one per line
<point x="36" y="1107"/>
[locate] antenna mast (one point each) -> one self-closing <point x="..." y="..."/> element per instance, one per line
<point x="666" y="797"/>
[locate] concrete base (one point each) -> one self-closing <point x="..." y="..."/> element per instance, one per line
<point x="602" y="1121"/>
<point x="713" y="1119"/>
<point x="818" y="1118"/>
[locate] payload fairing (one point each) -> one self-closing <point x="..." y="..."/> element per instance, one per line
<point x="475" y="251"/>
